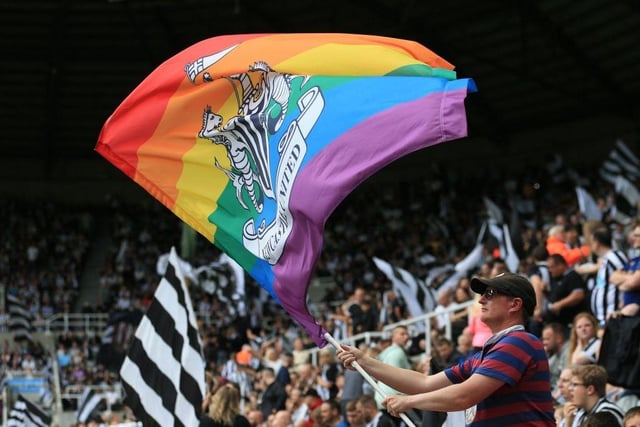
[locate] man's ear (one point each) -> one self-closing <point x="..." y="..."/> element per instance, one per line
<point x="516" y="302"/>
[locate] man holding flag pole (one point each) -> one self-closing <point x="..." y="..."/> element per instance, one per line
<point x="507" y="383"/>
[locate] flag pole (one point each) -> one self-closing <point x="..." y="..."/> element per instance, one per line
<point x="368" y="378"/>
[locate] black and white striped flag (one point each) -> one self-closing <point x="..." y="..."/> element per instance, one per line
<point x="20" y="319"/>
<point x="420" y="298"/>
<point x="89" y="403"/>
<point x="27" y="414"/>
<point x="117" y="336"/>
<point x="621" y="162"/>
<point x="163" y="373"/>
<point x="627" y="200"/>
<point x="622" y="169"/>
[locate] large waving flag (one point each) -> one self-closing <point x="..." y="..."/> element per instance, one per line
<point x="253" y="140"/>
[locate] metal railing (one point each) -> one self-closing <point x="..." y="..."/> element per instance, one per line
<point x="90" y="323"/>
<point x="412" y="324"/>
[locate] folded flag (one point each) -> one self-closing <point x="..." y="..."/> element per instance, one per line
<point x="253" y="140"/>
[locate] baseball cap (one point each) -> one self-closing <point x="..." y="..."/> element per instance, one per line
<point x="510" y="284"/>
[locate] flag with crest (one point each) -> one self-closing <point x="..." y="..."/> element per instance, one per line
<point x="253" y="140"/>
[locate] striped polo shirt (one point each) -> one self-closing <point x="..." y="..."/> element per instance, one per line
<point x="517" y="358"/>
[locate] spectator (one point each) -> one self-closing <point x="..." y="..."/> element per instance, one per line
<point x="255" y="418"/>
<point x="464" y="346"/>
<point x="567" y="293"/>
<point x="297" y="406"/>
<point x="354" y="417"/>
<point x="300" y="353"/>
<point x="460" y="318"/>
<point x="600" y="419"/>
<point x="479" y="331"/>
<point x="283" y="376"/>
<point x="273" y="396"/>
<point x="353" y="388"/>
<point x="540" y="279"/>
<point x="628" y="278"/>
<point x="328" y="371"/>
<point x="584" y="344"/>
<point x="557" y="348"/>
<point x="373" y="417"/>
<point x="446" y="298"/>
<point x="354" y="312"/>
<point x="605" y="296"/>
<point x="330" y="414"/>
<point x="394" y="355"/>
<point x="28" y="364"/>
<point x="446" y="355"/>
<point x="632" y="417"/>
<point x="588" y="396"/>
<point x="487" y="385"/>
<point x="224" y="409"/>
<point x="556" y="244"/>
<point x="64" y="358"/>
<point x="562" y="393"/>
<point x="282" y="418"/>
<point x="271" y="358"/>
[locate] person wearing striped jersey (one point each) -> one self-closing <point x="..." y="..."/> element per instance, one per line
<point x="605" y="296"/>
<point x="628" y="279"/>
<point x="504" y="384"/>
<point x="588" y="396"/>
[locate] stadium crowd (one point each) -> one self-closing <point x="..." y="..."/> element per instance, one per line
<point x="581" y="270"/>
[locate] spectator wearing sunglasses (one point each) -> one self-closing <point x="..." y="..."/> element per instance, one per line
<point x="504" y="384"/>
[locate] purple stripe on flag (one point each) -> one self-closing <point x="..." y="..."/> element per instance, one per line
<point x="345" y="163"/>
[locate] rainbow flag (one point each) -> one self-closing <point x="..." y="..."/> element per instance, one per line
<point x="253" y="140"/>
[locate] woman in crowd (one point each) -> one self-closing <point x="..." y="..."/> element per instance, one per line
<point x="224" y="409"/>
<point x="584" y="345"/>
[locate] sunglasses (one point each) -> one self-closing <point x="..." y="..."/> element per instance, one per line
<point x="490" y="293"/>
